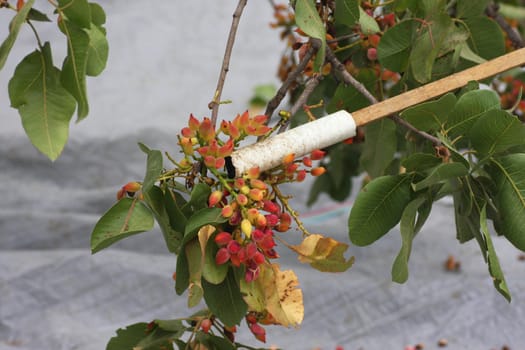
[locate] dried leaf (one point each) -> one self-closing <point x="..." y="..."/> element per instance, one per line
<point x="323" y="253"/>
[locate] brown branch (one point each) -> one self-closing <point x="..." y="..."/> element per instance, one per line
<point x="214" y="104"/>
<point x="512" y="34"/>
<point x="303" y="98"/>
<point x="281" y="93"/>
<point x="349" y="79"/>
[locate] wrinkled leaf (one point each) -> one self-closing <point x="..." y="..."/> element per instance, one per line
<point x="509" y="197"/>
<point x="380" y="146"/>
<point x="441" y="173"/>
<point x="494" y="267"/>
<point x="496" y="131"/>
<point x="277" y="292"/>
<point x="45" y="106"/>
<point x="14" y="29"/>
<point x="378" y="208"/>
<point x="127" y="217"/>
<point x="323" y="253"/>
<point x="225" y="300"/>
<point x="308" y="20"/>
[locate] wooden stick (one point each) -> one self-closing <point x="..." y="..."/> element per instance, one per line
<point x="440" y="87"/>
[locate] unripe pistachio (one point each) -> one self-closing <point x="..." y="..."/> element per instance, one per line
<point x="242" y="199"/>
<point x="246" y="227"/>
<point x="288" y="159"/>
<point x="227" y="211"/>
<point x="317" y="154"/>
<point x="223" y="238"/>
<point x="215" y="197"/>
<point x="256" y="194"/>
<point x="222" y="257"/>
<point x="318" y="171"/>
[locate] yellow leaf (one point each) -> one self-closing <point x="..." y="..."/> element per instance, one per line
<point x="194" y="256"/>
<point x="323" y="253"/>
<point x="204" y="234"/>
<point x="276" y="292"/>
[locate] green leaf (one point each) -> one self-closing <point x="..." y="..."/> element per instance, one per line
<point x="393" y="50"/>
<point x="129" y="337"/>
<point x="98" y="16"/>
<point x="76" y="11"/>
<point x="430" y="116"/>
<point x="171" y="325"/>
<point x="73" y="75"/>
<point x="35" y="15"/>
<point x="14" y="29"/>
<point x="155" y="199"/>
<point x="212" y="272"/>
<point x="379" y="147"/>
<point x="45" y="106"/>
<point x="175" y="214"/>
<point x="420" y="162"/>
<point x="428" y="45"/>
<point x="182" y="274"/>
<point x="486" y="38"/>
<point x="469" y="55"/>
<point x="153" y="167"/>
<point x="193" y="253"/>
<point x="347" y="12"/>
<point x="469" y="108"/>
<point x="496" y="131"/>
<point x="225" y="300"/>
<point x="98" y="51"/>
<point x="494" y="267"/>
<point x="509" y="197"/>
<point x="127" y="217"/>
<point x="469" y="8"/>
<point x="441" y="173"/>
<point x="378" y="208"/>
<point x="408" y="232"/>
<point x="199" y="197"/>
<point x="368" y="23"/>
<point x="511" y="11"/>
<point x="205" y="216"/>
<point x="307" y="18"/>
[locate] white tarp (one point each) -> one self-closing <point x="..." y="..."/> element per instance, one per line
<point x="164" y="63"/>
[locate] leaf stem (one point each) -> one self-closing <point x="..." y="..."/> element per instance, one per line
<point x="36" y="34"/>
<point x="214" y="104"/>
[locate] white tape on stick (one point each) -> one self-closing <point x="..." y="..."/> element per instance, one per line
<point x="300" y="141"/>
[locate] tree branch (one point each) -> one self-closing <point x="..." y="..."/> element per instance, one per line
<point x="281" y="93"/>
<point x="301" y="101"/>
<point x="214" y="104"/>
<point x="349" y="79"/>
<point x="513" y="35"/>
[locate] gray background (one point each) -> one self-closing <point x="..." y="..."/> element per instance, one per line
<point x="164" y="63"/>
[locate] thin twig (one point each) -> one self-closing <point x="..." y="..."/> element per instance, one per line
<point x="513" y="35"/>
<point x="311" y="84"/>
<point x="349" y="79"/>
<point x="281" y="93"/>
<point x="214" y="104"/>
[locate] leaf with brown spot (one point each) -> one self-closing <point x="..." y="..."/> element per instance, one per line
<point x="323" y="253"/>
